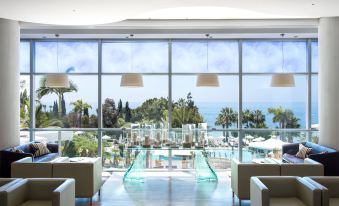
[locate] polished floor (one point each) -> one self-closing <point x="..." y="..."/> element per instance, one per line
<point x="165" y="189"/>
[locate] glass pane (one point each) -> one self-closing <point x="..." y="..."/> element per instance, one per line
<point x="191" y="57"/>
<point x="216" y="106"/>
<point x="272" y="107"/>
<point x="122" y="106"/>
<point x="24" y="137"/>
<point x="140" y="57"/>
<point x="266" y="56"/>
<point x="24" y="101"/>
<point x="75" y="107"/>
<point x="315" y="57"/>
<point x="69" y="57"/>
<point x="71" y="143"/>
<point x="24" y="57"/>
<point x="266" y="146"/>
<point x="314" y="115"/>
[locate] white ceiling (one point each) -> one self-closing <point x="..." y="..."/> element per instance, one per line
<point x="93" y="12"/>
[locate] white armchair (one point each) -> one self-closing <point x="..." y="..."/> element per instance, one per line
<point x="39" y="192"/>
<point x="277" y="191"/>
<point x="87" y="175"/>
<point x="329" y="187"/>
<point x="7" y="182"/>
<point x="242" y="173"/>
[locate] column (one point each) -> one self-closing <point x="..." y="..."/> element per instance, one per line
<point x="329" y="81"/>
<point x="9" y="83"/>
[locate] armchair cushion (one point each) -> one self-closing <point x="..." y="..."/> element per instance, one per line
<point x="293" y="201"/>
<point x="37" y="203"/>
<point x="46" y="158"/>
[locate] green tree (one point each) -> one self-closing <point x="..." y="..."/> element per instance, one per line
<point x="79" y="107"/>
<point x="43" y="90"/>
<point x="285" y="117"/>
<point x="246" y="118"/>
<point x="151" y="111"/>
<point x="128" y="114"/>
<point x="258" y="119"/>
<point x="226" y="118"/>
<point x="185" y="112"/>
<point x="120" y="109"/>
<point x="109" y="114"/>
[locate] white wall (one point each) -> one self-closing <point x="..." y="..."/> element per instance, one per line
<point x="329" y="82"/>
<point x="9" y="83"/>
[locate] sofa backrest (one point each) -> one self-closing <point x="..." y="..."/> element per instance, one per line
<point x="316" y="148"/>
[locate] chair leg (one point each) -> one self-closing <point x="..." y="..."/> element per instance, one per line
<point x="99" y="193"/>
<point x="90" y="201"/>
<point x="239" y="202"/>
<point x="232" y="194"/>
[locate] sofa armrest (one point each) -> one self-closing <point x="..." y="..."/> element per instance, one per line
<point x="65" y="194"/>
<point x="291" y="149"/>
<point x="54" y="148"/>
<point x="330" y="162"/>
<point x="308" y="193"/>
<point x="7" y="158"/>
<point x="324" y="190"/>
<point x="259" y="193"/>
<point x="16" y="194"/>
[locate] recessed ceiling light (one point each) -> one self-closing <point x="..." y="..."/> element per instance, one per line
<point x="313" y="4"/>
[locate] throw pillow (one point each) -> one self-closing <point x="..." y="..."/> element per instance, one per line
<point x="303" y="151"/>
<point x="39" y="149"/>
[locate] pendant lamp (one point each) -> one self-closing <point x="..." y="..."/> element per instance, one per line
<point x="282" y="79"/>
<point x="131" y="79"/>
<point x="58" y="80"/>
<point x="208" y="79"/>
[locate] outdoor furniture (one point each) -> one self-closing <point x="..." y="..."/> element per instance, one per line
<point x="241" y="174"/>
<point x="7" y="157"/>
<point x="327" y="156"/>
<point x="277" y="191"/>
<point x="329" y="187"/>
<point x="39" y="192"/>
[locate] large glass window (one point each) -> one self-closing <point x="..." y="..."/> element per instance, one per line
<point x="25" y="57"/>
<point x="266" y="56"/>
<point x="66" y="56"/>
<point x="123" y="106"/>
<point x="73" y="107"/>
<point x="206" y="116"/>
<point x="203" y="57"/>
<point x="139" y="57"/>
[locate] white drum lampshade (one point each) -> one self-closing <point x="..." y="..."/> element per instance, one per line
<point x="131" y="80"/>
<point x="57" y="81"/>
<point x="282" y="80"/>
<point x="207" y="80"/>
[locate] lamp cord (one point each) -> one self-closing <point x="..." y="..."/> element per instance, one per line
<point x="282" y="53"/>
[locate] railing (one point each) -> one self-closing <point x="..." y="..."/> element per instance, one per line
<point x="220" y="145"/>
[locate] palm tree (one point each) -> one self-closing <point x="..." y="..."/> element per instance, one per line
<point x="258" y="119"/>
<point x="246" y="118"/>
<point x="285" y="117"/>
<point x="43" y="90"/>
<point x="226" y="118"/>
<point x="79" y="107"/>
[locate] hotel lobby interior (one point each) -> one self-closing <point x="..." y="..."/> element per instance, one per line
<point x="176" y="103"/>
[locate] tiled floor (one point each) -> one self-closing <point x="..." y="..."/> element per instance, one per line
<point x="165" y="189"/>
